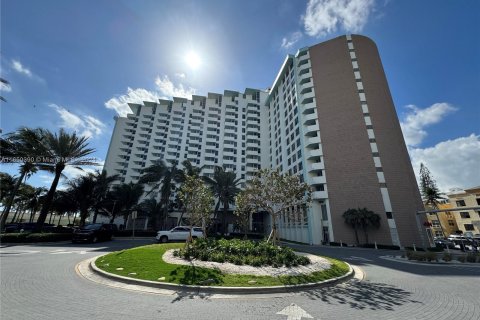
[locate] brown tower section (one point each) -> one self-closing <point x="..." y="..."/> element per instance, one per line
<point x="350" y="171"/>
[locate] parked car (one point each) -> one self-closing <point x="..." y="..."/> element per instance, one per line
<point x="445" y="243"/>
<point x="178" y="234"/>
<point x="93" y="233"/>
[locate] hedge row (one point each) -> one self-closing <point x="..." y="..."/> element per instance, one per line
<point x="433" y="256"/>
<point x="34" y="237"/>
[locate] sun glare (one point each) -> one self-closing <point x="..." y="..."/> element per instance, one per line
<point x="193" y="60"/>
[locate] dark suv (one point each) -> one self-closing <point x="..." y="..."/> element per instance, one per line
<point x="94" y="232"/>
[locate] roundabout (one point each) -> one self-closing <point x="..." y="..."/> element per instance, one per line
<point x="160" y="266"/>
<point x="55" y="283"/>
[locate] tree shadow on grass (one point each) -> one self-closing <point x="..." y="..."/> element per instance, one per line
<point x="363" y="295"/>
<point x="191" y="275"/>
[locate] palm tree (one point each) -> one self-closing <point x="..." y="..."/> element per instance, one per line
<point x="34" y="201"/>
<point x="64" y="203"/>
<point x="368" y="219"/>
<point x="224" y="185"/>
<point x="25" y="193"/>
<point x="352" y="218"/>
<point x="127" y="196"/>
<point x="6" y="83"/>
<point x="102" y="185"/>
<point x="163" y="177"/>
<point x="7" y="184"/>
<point x="22" y="144"/>
<point x="153" y="208"/>
<point x="62" y="149"/>
<point x="82" y="190"/>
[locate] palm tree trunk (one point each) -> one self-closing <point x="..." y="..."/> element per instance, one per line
<point x="49" y="198"/>
<point x="59" y="219"/>
<point x="366" y="234"/>
<point x="74" y="218"/>
<point x="215" y="215"/>
<point x="50" y="220"/>
<point x="21" y="217"/>
<point x="9" y="204"/>
<point x="95" y="214"/>
<point x="356" y="235"/>
<point x="15" y="215"/>
<point x="32" y="214"/>
<point x="224" y="217"/>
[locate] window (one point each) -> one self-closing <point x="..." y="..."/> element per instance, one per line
<point x="460" y="203"/>
<point x="465" y="215"/>
<point x="451" y="223"/>
<point x="469" y="227"/>
<point x="438" y="233"/>
<point x="478" y="201"/>
<point x="436" y="223"/>
<point x="389" y="215"/>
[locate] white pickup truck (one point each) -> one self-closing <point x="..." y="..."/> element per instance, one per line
<point x="178" y="234"/>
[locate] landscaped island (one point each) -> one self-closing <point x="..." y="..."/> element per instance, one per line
<point x="228" y="263"/>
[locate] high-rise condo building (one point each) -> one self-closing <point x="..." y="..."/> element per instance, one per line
<point x="328" y="117"/>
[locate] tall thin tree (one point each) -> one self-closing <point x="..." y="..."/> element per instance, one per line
<point x="62" y="149"/>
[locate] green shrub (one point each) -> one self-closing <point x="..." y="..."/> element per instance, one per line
<point x="409" y="254"/>
<point x="34" y="237"/>
<point x="471" y="257"/>
<point x="242" y="252"/>
<point x="431" y="256"/>
<point x="447" y="257"/>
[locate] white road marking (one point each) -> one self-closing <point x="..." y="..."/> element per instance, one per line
<point x="294" y="312"/>
<point x="358" y="258"/>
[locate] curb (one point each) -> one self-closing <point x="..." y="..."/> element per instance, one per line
<point x="221" y="290"/>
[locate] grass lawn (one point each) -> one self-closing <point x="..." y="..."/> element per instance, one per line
<point x="147" y="263"/>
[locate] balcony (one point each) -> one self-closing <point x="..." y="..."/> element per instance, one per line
<point x="304" y="77"/>
<point x="312" y="129"/>
<point x="316" y="166"/>
<point x="318" y="180"/>
<point x="312" y="141"/>
<point x="315" y="153"/>
<point x="311" y="116"/>
<point x="317" y="195"/>
<point x="309" y="107"/>
<point x="302" y="65"/>
<point x="307" y="95"/>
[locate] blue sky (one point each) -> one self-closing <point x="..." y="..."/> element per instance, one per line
<point x="74" y="64"/>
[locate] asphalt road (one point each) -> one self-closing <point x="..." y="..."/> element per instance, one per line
<point x="40" y="282"/>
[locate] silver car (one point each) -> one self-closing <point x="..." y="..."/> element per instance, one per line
<point x="179" y="234"/>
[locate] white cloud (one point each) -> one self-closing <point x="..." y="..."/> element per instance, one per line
<point x="86" y="125"/>
<point x="326" y="16"/>
<point x="166" y="89"/>
<point x="17" y="66"/>
<point x="414" y="124"/>
<point x="453" y="163"/>
<point x="291" y="39"/>
<point x="180" y="75"/>
<point x="22" y="69"/>
<point x="120" y="103"/>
